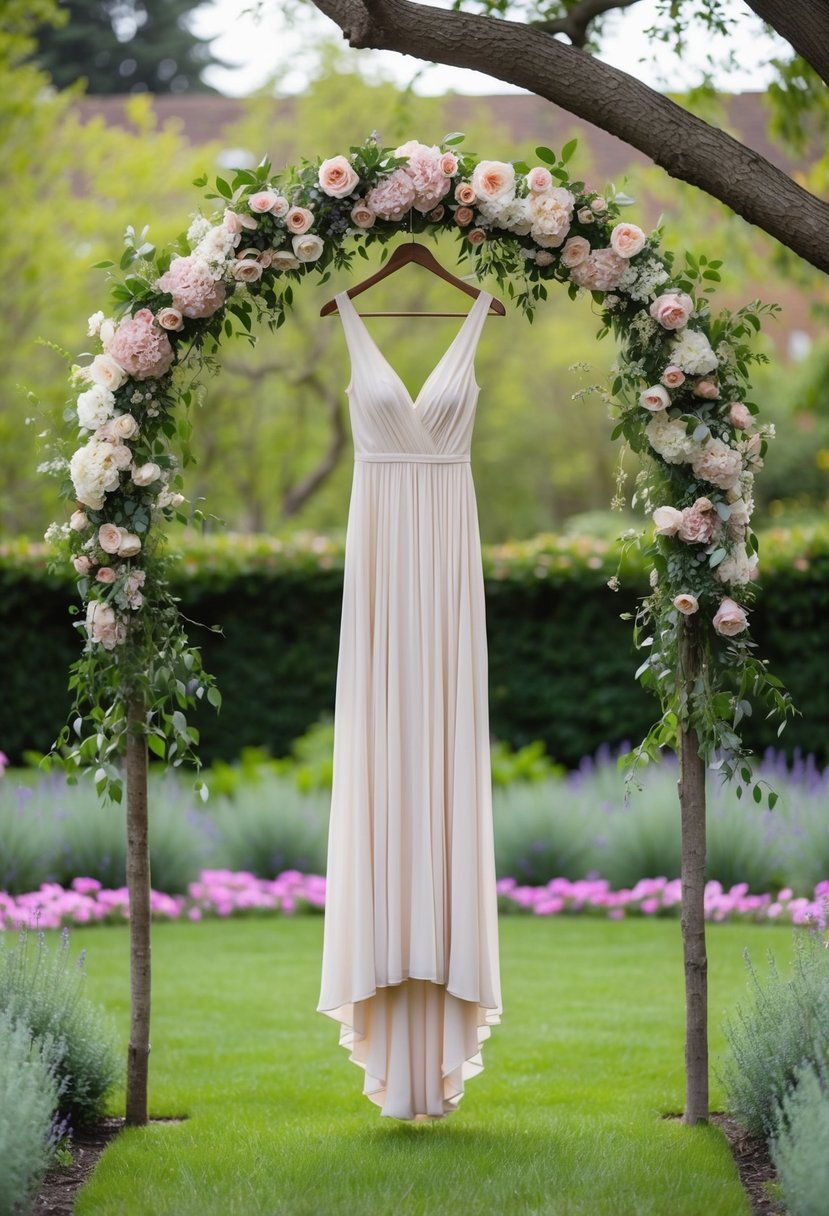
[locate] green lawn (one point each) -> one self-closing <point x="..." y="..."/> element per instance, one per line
<point x="565" y="1120"/>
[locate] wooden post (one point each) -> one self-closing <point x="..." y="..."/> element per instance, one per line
<point x="138" y="885"/>
<point x="692" y="810"/>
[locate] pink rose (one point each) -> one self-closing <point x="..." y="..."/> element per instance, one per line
<point x="79" y="521"/>
<point x="130" y="544"/>
<point x="103" y="626"/>
<point x="539" y="179"/>
<point x="191" y="284"/>
<point x="464" y="216"/>
<point x="299" y="220"/>
<point x="464" y="194"/>
<point x="718" y="463"/>
<point x="246" y="271"/>
<point x="170" y="318"/>
<point x="655" y="398"/>
<point x="263" y="201"/>
<point x="667" y="521"/>
<point x="686" y="603"/>
<point x="672" y="309"/>
<point x="283" y="259"/>
<point x="362" y="215"/>
<point x="82" y="564"/>
<point x="494" y="181"/>
<point x="673" y="376"/>
<point x="730" y="619"/>
<point x="585" y="215"/>
<point x="698" y="523"/>
<point x="707" y="389"/>
<point x="575" y="251"/>
<point x="231" y="222"/>
<point x="543" y="257"/>
<point x="132" y="588"/>
<point x="437" y="215"/>
<point x="627" y="240"/>
<point x="109" y="538"/>
<point x="598" y="204"/>
<point x="449" y="164"/>
<point x="106" y="574"/>
<point x="392" y="198"/>
<point x="601" y="271"/>
<point x="337" y="178"/>
<point x="739" y="415"/>
<point x="476" y="236"/>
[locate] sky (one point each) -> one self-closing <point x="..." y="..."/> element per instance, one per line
<point x="259" y="47"/>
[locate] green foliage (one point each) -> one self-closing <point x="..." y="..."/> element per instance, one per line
<point x="137" y="46"/>
<point x="271" y="827"/>
<point x="44" y="992"/>
<point x="800" y="1147"/>
<point x="784" y="1029"/>
<point x="28" y="1100"/>
<point x="560" y="657"/>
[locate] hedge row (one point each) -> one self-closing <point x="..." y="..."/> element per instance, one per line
<point x="561" y="659"/>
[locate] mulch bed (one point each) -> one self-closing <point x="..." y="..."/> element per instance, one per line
<point x="61" y="1184"/>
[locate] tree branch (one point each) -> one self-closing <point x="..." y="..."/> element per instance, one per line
<point x="804" y="24"/>
<point x="683" y="145"/>
<point x="575" y="23"/>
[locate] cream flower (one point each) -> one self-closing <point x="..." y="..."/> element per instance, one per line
<point x="730" y="619"/>
<point x="307" y="248"/>
<point x="95" y="407"/>
<point x="686" y="603"/>
<point x="337" y="177"/>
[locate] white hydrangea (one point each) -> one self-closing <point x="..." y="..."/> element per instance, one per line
<point x="551" y="214"/>
<point x="198" y="229"/>
<point x="737" y="567"/>
<point x="692" y="352"/>
<point x="669" y="438"/>
<point x="95" y="407"/>
<point x="216" y="249"/>
<point x="643" y="326"/>
<point x="96" y="468"/>
<point x="642" y="279"/>
<point x="94" y="324"/>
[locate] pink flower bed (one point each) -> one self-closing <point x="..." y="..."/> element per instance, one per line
<point x="226" y="893"/>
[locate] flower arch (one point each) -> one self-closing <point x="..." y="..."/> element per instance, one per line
<point x="680" y="397"/>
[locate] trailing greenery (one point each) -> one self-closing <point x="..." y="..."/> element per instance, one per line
<point x="783" y="1031"/>
<point x="560" y="658"/>
<point x="267" y="816"/>
<point x="800" y="1147"/>
<point x="43" y="990"/>
<point x="28" y="1100"/>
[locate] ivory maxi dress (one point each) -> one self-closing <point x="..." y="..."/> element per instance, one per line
<point x="410" y="958"/>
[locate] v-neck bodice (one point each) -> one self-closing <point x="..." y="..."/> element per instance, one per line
<point x="386" y="420"/>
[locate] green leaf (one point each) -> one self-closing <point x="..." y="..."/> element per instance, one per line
<point x="773" y="799"/>
<point x="157" y="745"/>
<point x="757" y="794"/>
<point x="453" y="139"/>
<point x="224" y="188"/>
<point x="214" y="697"/>
<point x="102" y="265"/>
<point x="568" y="150"/>
<point x="546" y="155"/>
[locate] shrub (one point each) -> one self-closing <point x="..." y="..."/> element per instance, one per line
<point x="271" y="827"/>
<point x="44" y="993"/>
<point x="800" y="1148"/>
<point x="785" y="1030"/>
<point x="28" y="1101"/>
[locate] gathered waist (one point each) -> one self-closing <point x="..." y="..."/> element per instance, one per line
<point x="410" y="458"/>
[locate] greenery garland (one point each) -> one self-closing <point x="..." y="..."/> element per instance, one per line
<point x="680" y="396"/>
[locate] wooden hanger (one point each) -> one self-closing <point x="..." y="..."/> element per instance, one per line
<point x="402" y="256"/>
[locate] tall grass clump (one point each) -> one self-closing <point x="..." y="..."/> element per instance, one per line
<point x="783" y="1031"/>
<point x="28" y="1101"/>
<point x="43" y="991"/>
<point x="800" y="1148"/>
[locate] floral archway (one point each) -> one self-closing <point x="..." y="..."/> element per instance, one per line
<point x="680" y="394"/>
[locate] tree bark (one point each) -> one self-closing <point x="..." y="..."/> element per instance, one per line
<point x="692" y="812"/>
<point x="686" y="147"/>
<point x="138" y="885"/>
<point x="803" y="23"/>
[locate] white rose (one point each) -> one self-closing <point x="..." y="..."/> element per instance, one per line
<point x="123" y="427"/>
<point x="79" y="521"/>
<point x="283" y="260"/>
<point x="737" y="567"/>
<point x="307" y="247"/>
<point x="105" y="371"/>
<point x="95" y="407"/>
<point x="130" y="544"/>
<point x="94" y="324"/>
<point x="667" y="521"/>
<point x="655" y="398"/>
<point x="146" y="474"/>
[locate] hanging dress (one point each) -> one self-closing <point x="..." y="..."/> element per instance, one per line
<point x="410" y="957"/>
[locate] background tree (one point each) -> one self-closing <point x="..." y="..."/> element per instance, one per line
<point x="528" y="50"/>
<point x="126" y="46"/>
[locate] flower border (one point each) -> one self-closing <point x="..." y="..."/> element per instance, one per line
<point x="679" y="398"/>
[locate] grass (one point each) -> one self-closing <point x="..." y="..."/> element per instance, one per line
<point x="566" y="1119"/>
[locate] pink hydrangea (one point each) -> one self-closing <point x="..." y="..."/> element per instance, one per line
<point x="425" y="168"/>
<point x="141" y="347"/>
<point x="194" y="290"/>
<point x="600" y="271"/>
<point x="393" y="197"/>
<point x="699" y="523"/>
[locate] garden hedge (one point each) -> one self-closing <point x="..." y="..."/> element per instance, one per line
<point x="561" y="659"/>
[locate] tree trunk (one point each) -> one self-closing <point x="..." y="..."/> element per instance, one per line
<point x="692" y="810"/>
<point x="682" y="144"/>
<point x="138" y="885"/>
